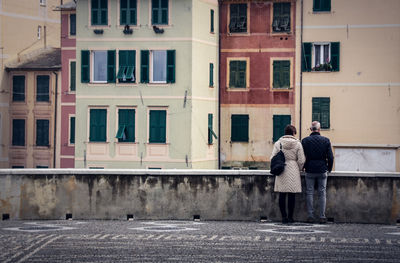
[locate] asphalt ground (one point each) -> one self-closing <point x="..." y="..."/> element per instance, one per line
<point x="188" y="241"/>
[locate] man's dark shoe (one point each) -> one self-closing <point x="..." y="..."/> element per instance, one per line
<point x="290" y="220"/>
<point x="310" y="220"/>
<point x="322" y="220"/>
<point x="285" y="220"/>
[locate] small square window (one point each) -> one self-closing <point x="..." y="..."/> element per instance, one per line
<point x="237" y="73"/>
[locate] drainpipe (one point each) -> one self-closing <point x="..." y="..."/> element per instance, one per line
<point x="301" y="71"/>
<point x="55" y="121"/>
<point x="219" y="88"/>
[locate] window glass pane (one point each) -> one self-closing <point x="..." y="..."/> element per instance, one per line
<point x="18" y="88"/>
<point x="317" y="54"/>
<point x="326" y="54"/>
<point x="42" y="89"/>
<point x="159" y="66"/>
<point x="100" y="65"/>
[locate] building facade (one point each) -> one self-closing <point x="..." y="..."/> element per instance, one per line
<point x="257" y="79"/>
<point x="147" y="95"/>
<point x="66" y="126"/>
<point x="24" y="27"/>
<point x="350" y="81"/>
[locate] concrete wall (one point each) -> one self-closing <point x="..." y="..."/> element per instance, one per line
<point x="181" y="194"/>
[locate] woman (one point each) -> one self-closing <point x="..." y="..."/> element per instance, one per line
<point x="289" y="182"/>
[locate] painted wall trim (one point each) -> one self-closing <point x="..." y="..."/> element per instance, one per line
<point x="254" y="50"/>
<point x="350" y="26"/>
<point x="36" y="18"/>
<point x="352" y="84"/>
<point x="170" y="39"/>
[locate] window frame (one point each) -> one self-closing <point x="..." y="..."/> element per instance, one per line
<point x="37" y="133"/>
<point x="70" y="61"/>
<point x="161" y="108"/>
<point x="313" y="52"/>
<point x="247" y="19"/>
<point x="36" y="89"/>
<point x="134" y="124"/>
<point x="238" y="138"/>
<point x="290" y="19"/>
<point x="151" y="65"/>
<point x="70" y="26"/>
<point x="106" y="124"/>
<point x="12" y="132"/>
<point x="92" y="67"/>
<point x="12" y="87"/>
<point x="247" y="60"/>
<point x="291" y="74"/>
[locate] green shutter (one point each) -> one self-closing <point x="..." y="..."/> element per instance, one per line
<point x="98" y="125"/>
<point x="99" y="12"/>
<point x="42" y="132"/>
<point x="18" y="88"/>
<point x="157" y="126"/>
<point x="306" y="57"/>
<point x="276" y="75"/>
<point x="127" y="59"/>
<point x="171" y="66"/>
<point x="242" y="74"/>
<point x="72" y="131"/>
<point x="316" y="5"/>
<point x="232" y="73"/>
<point x="285" y="74"/>
<point x="111" y="66"/>
<point x="128" y="12"/>
<point x="144" y="66"/>
<point x="212" y="21"/>
<point x="240" y="128"/>
<point x="72" y="74"/>
<point x="123" y="16"/>
<point x="316" y="109"/>
<point x="279" y="124"/>
<point x="325" y="113"/>
<point x="159" y="12"/>
<point x="85" y="66"/>
<point x="18" y="135"/>
<point x="95" y="12"/>
<point x="126" y="125"/>
<point x="42" y="88"/>
<point x="103" y="12"/>
<point x="238" y="18"/>
<point x="132" y="12"/>
<point x="72" y="24"/>
<point x="211" y="132"/>
<point x="211" y="76"/>
<point x="322" y="5"/>
<point x="237" y="74"/>
<point x="335" y="55"/>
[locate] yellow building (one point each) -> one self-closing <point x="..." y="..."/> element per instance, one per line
<point x="25" y="26"/>
<point x="349" y="76"/>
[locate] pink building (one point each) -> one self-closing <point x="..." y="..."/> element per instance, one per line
<point x="68" y="86"/>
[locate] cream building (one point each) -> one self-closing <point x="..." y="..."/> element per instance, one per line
<point x="348" y="73"/>
<point x="25" y="26"/>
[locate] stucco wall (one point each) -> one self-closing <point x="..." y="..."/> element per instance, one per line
<point x="181" y="194"/>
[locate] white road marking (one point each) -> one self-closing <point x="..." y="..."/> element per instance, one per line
<point x="39" y="248"/>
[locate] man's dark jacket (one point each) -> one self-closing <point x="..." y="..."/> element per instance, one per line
<point x="318" y="152"/>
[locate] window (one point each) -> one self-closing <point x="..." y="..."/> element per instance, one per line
<point x="321" y="111"/>
<point x="39" y="32"/>
<point x="42" y="88"/>
<point x="211" y="76"/>
<point x="128" y="12"/>
<point x="98" y="125"/>
<point x="238" y="18"/>
<point x="322" y="5"/>
<point x="158" y="123"/>
<point x="281" y="20"/>
<point x="72" y="76"/>
<point x="279" y="124"/>
<point x="99" y="12"/>
<point x="42" y="132"/>
<point x="103" y="62"/>
<point x="237" y="74"/>
<point x="17" y="167"/>
<point x="72" y="24"/>
<point x="159" y="12"/>
<point x="42" y="2"/>
<point x="211" y="132"/>
<point x="321" y="56"/>
<point x="240" y="128"/>
<point x="159" y="64"/>
<point x="18" y="133"/>
<point x="18" y="92"/>
<point x="42" y="167"/>
<point x="212" y="20"/>
<point x="281" y="78"/>
<point x="127" y="61"/>
<point x="126" y="125"/>
<point x="72" y="130"/>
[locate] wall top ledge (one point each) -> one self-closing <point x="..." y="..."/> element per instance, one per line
<point x="176" y="172"/>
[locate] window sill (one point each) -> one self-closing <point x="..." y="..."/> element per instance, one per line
<point x="281" y="89"/>
<point x="105" y="142"/>
<point x="161" y="25"/>
<point x="18" y="147"/>
<point x="237" y="89"/>
<point x="43" y="147"/>
<point x="239" y="141"/>
<point x="243" y="34"/>
<point x="99" y="26"/>
<point x="281" y="33"/>
<point x="117" y="142"/>
<point x="321" y="12"/>
<point x="98" y="84"/>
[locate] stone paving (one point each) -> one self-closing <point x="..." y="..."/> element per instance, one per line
<point x="187" y="241"/>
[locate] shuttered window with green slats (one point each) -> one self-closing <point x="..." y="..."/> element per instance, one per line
<point x="126" y="125"/>
<point x="212" y="21"/>
<point x="18" y="132"/>
<point x="321" y="5"/>
<point x="325" y="57"/>
<point x="159" y="12"/>
<point x="99" y="12"/>
<point x="240" y="128"/>
<point x="306" y="57"/>
<point x="42" y="88"/>
<point x="237" y="74"/>
<point x="321" y="111"/>
<point x="281" y="19"/>
<point x="72" y="76"/>
<point x="163" y="66"/>
<point x="279" y="124"/>
<point x="211" y="132"/>
<point x="18" y="92"/>
<point x="128" y="12"/>
<point x="42" y="132"/>
<point x="158" y="123"/>
<point x="72" y="130"/>
<point x="281" y="71"/>
<point x="335" y="56"/>
<point x="144" y="66"/>
<point x="127" y="62"/>
<point x="211" y="75"/>
<point x="98" y="125"/>
<point x="171" y="66"/>
<point x="238" y="18"/>
<point x="85" y="66"/>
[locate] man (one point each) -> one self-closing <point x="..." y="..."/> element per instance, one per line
<point x="319" y="161"/>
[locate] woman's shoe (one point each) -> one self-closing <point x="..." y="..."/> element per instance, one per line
<point x="290" y="220"/>
<point x="285" y="220"/>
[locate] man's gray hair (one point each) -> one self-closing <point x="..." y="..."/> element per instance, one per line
<point x="315" y="126"/>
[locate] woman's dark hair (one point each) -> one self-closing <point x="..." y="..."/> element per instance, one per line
<point x="290" y="130"/>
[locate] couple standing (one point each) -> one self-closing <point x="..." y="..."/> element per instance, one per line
<point x="315" y="154"/>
